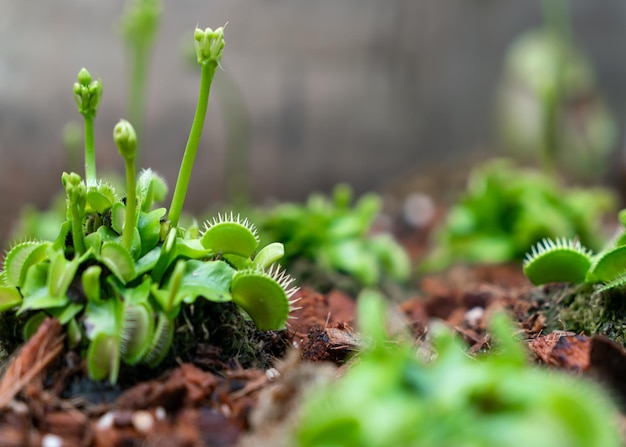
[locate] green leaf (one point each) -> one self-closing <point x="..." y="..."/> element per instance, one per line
<point x="118" y="260"/>
<point x="66" y="313"/>
<point x="607" y="266"/>
<point x="93" y="242"/>
<point x="352" y="256"/>
<point x="103" y="358"/>
<point x="100" y="198"/>
<point x="103" y="317"/>
<point x="151" y="188"/>
<point x="32" y="324"/>
<point x="62" y="272"/>
<point x="118" y="215"/>
<point x="9" y="298"/>
<point x="149" y="227"/>
<point x="392" y="256"/>
<point x="268" y="255"/>
<point x="91" y="282"/>
<point x="191" y="248"/>
<point x="169" y="298"/>
<point x="148" y="261"/>
<point x="210" y="280"/>
<point x="166" y="256"/>
<point x="36" y="292"/>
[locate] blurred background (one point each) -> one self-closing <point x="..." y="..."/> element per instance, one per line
<point x="369" y="92"/>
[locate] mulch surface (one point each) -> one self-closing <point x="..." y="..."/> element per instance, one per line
<point x="189" y="406"/>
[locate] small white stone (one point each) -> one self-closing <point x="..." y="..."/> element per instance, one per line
<point x="419" y="210"/>
<point x="143" y="421"/>
<point x="50" y="440"/>
<point x="473" y="315"/>
<point x="18" y="407"/>
<point x="272" y="374"/>
<point x="160" y="413"/>
<point x="106" y="421"/>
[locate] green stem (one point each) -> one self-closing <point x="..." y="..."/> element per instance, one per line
<point x="90" y="153"/>
<point x="131" y="204"/>
<point x="184" y="174"/>
<point x="77" y="231"/>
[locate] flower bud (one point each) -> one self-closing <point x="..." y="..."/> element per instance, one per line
<point x="84" y="77"/>
<point x="125" y="139"/>
<point x="209" y="45"/>
<point x="87" y="93"/>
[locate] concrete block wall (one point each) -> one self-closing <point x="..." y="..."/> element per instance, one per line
<point x="364" y="91"/>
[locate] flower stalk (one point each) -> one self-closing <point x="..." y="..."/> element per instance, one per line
<point x="125" y="139"/>
<point x="87" y="94"/>
<point x="76" y="201"/>
<point x="209" y="47"/>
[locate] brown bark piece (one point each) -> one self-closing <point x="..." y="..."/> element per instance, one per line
<point x="562" y="349"/>
<point x="32" y="359"/>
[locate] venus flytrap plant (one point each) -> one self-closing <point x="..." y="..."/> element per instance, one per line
<point x="507" y="209"/>
<point x="331" y="235"/>
<point x="120" y="273"/>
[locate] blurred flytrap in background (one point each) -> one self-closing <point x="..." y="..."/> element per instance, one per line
<point x="550" y="108"/>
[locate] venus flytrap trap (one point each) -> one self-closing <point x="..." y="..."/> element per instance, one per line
<point x="120" y="272"/>
<point x="567" y="260"/>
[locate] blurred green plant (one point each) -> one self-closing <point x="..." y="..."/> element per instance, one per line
<point x="119" y="271"/>
<point x="391" y="397"/>
<point x="507" y="209"/>
<point x="549" y="107"/>
<point x="139" y="25"/>
<point x="333" y="235"/>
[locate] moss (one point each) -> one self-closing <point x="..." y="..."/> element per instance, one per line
<point x="581" y="309"/>
<point x="11" y="336"/>
<point x="223" y="327"/>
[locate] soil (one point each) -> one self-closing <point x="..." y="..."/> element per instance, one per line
<point x="208" y="400"/>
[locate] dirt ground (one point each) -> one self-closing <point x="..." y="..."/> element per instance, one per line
<point x="46" y="400"/>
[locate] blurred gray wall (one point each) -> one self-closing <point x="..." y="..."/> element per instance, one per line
<point x="363" y="91"/>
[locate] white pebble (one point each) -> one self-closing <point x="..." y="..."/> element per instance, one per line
<point x="272" y="374"/>
<point x="106" y="421"/>
<point x="49" y="440"/>
<point x="143" y="421"/>
<point x="160" y="413"/>
<point x="474" y="315"/>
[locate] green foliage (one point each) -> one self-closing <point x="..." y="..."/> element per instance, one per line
<point x="119" y="272"/>
<point x="336" y="236"/>
<point x="391" y="397"/>
<point x="507" y="209"/>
